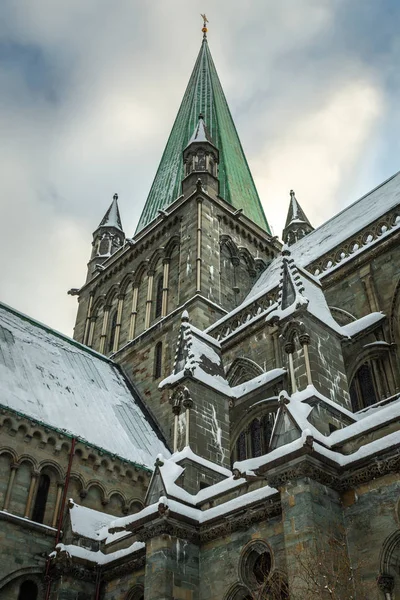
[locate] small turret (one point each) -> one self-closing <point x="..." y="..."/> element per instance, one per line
<point x="107" y="239"/>
<point x="297" y="224"/>
<point x="200" y="159"/>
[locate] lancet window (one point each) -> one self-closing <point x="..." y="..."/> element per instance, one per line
<point x="369" y="384"/>
<point x="39" y="507"/>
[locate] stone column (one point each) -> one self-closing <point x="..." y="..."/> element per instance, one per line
<point x="60" y="486"/>
<point x="304" y="340"/>
<point x="289" y="349"/>
<point x="313" y="531"/>
<point x="369" y="286"/>
<point x="132" y="324"/>
<point x="199" y="236"/>
<point x="172" y="568"/>
<point x="118" y="324"/>
<point x="87" y="322"/>
<point x="31" y="493"/>
<point x="149" y="300"/>
<point x="7" y="499"/>
<point x="164" y="307"/>
<point x="104" y="329"/>
<point x="91" y="330"/>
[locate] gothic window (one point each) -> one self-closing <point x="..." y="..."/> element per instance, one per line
<point x="256" y="565"/>
<point x="159" y="297"/>
<point x="41" y="499"/>
<point x="111" y="336"/>
<point x="241" y="446"/>
<point x="363" y="388"/>
<point x="158" y="360"/>
<point x="255" y="432"/>
<point x="28" y="590"/>
<point x="105" y="244"/>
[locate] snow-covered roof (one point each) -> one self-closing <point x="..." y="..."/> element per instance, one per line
<point x="200" y="133"/>
<point x="55" y="380"/>
<point x="335" y="231"/>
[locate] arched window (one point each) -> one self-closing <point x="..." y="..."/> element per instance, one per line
<point x="28" y="590"/>
<point x="159" y="297"/>
<point x="111" y="335"/>
<point x="255" y="432"/>
<point x="41" y="499"/>
<point x="241" y="446"/>
<point x="363" y="389"/>
<point x="158" y="360"/>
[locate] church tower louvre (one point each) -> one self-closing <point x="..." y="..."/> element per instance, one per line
<point x="201" y="242"/>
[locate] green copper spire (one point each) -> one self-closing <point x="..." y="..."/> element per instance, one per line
<point x="204" y="95"/>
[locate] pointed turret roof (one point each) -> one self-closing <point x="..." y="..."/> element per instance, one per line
<point x="112" y="218"/>
<point x="204" y="95"/>
<point x="200" y="133"/>
<point x="295" y="212"/>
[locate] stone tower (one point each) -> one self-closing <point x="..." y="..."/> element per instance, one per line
<point x="201" y="242"/>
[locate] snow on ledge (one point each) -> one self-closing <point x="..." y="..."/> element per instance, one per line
<point x="97" y="557"/>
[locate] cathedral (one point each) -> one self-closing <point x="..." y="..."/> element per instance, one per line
<point x="224" y="423"/>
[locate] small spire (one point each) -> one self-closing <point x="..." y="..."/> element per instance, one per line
<point x="204" y="29"/>
<point x="112" y="217"/>
<point x="297" y="225"/>
<point x="200" y="133"/>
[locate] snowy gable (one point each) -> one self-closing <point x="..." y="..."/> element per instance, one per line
<point x="51" y="378"/>
<point x="336" y="231"/>
<point x="198" y="355"/>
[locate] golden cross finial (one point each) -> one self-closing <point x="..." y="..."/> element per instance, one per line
<point x="205" y="21"/>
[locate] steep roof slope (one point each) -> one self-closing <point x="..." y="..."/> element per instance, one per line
<point x="53" y="379"/>
<point x="204" y="95"/>
<point x="335" y="231"/>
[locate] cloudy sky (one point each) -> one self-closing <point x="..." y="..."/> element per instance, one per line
<point x="89" y="91"/>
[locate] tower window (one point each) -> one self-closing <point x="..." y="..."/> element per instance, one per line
<point x="41" y="499"/>
<point x="158" y="360"/>
<point x="159" y="297"/>
<point x="113" y="327"/>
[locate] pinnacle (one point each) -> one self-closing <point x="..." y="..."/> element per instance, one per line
<point x="112" y="218"/>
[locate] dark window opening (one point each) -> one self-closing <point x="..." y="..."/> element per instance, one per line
<point x="204" y="485"/>
<point x="364" y="389"/>
<point x="262" y="567"/>
<point x="113" y="327"/>
<point x="28" y="590"/>
<point x="158" y="360"/>
<point x="41" y="499"/>
<point x="332" y="428"/>
<point x="241" y="446"/>
<point x="159" y="297"/>
<point x="255" y="432"/>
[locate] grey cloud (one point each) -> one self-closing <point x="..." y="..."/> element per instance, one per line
<point x="90" y="91"/>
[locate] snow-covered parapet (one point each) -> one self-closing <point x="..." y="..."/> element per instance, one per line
<point x="198" y="356"/>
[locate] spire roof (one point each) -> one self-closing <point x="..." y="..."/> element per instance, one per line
<point x="204" y="95"/>
<point x="295" y="212"/>
<point x="200" y="133"/>
<point x="112" y="218"/>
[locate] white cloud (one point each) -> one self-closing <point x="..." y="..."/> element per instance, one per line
<point x="316" y="152"/>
